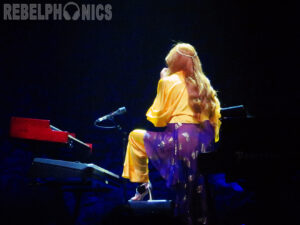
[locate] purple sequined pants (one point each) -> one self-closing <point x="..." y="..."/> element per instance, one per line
<point x="174" y="153"/>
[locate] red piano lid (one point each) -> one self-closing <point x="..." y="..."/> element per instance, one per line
<point x="29" y="121"/>
<point x="36" y="129"/>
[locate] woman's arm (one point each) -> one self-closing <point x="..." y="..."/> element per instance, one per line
<point x="164" y="73"/>
<point x="159" y="113"/>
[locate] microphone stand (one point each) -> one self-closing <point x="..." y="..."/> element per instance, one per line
<point x="124" y="145"/>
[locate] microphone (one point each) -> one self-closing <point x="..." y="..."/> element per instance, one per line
<point x="119" y="111"/>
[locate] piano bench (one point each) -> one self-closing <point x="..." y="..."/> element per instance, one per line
<point x="151" y="207"/>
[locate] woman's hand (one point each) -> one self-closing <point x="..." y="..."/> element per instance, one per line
<point x="164" y="72"/>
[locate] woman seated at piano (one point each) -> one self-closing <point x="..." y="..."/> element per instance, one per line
<point x="188" y="106"/>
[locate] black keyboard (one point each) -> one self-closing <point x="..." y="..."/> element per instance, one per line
<point x="68" y="171"/>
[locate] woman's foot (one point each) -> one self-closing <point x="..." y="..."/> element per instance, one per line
<point x="141" y="191"/>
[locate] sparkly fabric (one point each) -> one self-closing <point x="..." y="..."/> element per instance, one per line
<point x="174" y="153"/>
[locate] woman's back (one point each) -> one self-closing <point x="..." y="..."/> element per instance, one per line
<point x="171" y="104"/>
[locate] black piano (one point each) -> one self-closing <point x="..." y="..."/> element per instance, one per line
<point x="72" y="173"/>
<point x="262" y="155"/>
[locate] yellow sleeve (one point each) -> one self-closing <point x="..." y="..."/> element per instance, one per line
<point x="216" y="121"/>
<point x="160" y="113"/>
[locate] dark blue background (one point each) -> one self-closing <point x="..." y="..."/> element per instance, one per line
<point x="72" y="72"/>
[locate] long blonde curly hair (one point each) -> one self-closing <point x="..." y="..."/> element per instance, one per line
<point x="202" y="96"/>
